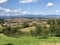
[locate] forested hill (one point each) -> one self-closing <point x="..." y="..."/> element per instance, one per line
<point x="32" y="16"/>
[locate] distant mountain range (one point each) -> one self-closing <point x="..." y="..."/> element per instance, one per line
<point x="32" y="16"/>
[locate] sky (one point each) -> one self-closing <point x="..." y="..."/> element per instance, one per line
<point x="29" y="7"/>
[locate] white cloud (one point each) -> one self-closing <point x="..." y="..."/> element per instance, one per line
<point x="38" y="13"/>
<point x="50" y="4"/>
<point x="6" y="10"/>
<point x="11" y="12"/>
<point x="27" y="1"/>
<point x="14" y="12"/>
<point x="3" y="1"/>
<point x="26" y="12"/>
<point x="57" y="11"/>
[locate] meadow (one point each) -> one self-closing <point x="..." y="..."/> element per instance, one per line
<point x="25" y="40"/>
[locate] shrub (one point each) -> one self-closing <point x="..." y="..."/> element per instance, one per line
<point x="12" y="31"/>
<point x="41" y="31"/>
<point x="9" y="44"/>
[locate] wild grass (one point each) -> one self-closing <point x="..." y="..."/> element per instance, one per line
<point x="25" y="40"/>
<point x="28" y="29"/>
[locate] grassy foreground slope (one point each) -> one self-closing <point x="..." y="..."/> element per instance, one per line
<point x="28" y="40"/>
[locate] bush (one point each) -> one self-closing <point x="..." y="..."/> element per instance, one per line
<point x="41" y="31"/>
<point x="12" y="31"/>
<point x="55" y="28"/>
<point x="9" y="44"/>
<point x="25" y="24"/>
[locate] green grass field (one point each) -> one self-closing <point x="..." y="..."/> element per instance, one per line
<point x="24" y="40"/>
<point x="28" y="29"/>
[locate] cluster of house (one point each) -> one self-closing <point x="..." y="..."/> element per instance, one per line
<point x="18" y="21"/>
<point x="15" y="21"/>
